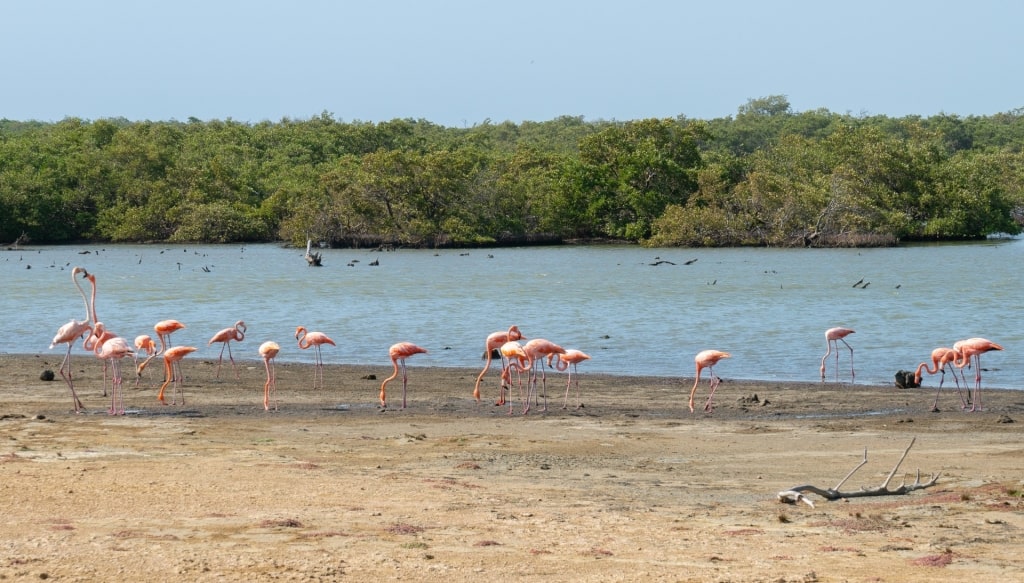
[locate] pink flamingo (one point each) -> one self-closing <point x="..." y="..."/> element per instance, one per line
<point x="398" y="353"/>
<point x="493" y="344"/>
<point x="163" y="329"/>
<point x="113" y="350"/>
<point x="269" y="350"/>
<point x="833" y="336"/>
<point x="536" y="350"/>
<point x="941" y="358"/>
<point x="572" y="357"/>
<point x="172" y="372"/>
<point x="100" y="334"/>
<point x="68" y="334"/>
<point x="236" y="333"/>
<point x="707" y="359"/>
<point x="516" y="358"/>
<point x="972" y="349"/>
<point x="314" y="339"/>
<point x="143" y="344"/>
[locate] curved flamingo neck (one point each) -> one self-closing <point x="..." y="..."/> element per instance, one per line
<point x="85" y="300"/>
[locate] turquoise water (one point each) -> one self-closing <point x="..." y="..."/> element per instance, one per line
<point x="768" y="307"/>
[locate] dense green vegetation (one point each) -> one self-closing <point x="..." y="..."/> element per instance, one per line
<point x="766" y="176"/>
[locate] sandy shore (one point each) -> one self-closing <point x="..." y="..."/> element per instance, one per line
<point x="631" y="487"/>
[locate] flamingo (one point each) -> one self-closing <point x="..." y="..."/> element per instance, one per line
<point x="172" y="372"/>
<point x="536" y="350"/>
<point x="100" y="334"/>
<point x="269" y="350"/>
<point x="707" y="359"/>
<point x="163" y="329"/>
<point x="972" y="349"/>
<point x="143" y="343"/>
<point x="236" y="333"/>
<point x="833" y="336"/>
<point x="942" y="357"/>
<point x="572" y="357"/>
<point x="68" y="334"/>
<point x="112" y="350"/>
<point x="492" y="344"/>
<point x="517" y="358"/>
<point x="314" y="339"/>
<point x="398" y="353"/>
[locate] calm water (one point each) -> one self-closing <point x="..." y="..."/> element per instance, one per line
<point x="768" y="307"/>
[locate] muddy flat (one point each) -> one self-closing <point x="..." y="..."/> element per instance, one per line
<point x="632" y="486"/>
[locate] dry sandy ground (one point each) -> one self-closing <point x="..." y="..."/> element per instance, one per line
<point x="632" y="487"/>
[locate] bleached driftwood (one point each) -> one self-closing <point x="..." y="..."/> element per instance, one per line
<point x="313" y="259"/>
<point x="796" y="494"/>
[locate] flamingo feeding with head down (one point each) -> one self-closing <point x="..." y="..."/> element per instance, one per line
<point x="941" y="358"/>
<point x="707" y="359"/>
<point x="972" y="349"/>
<point x="315" y="339"/>
<point x="143" y="344"/>
<point x="268" y="351"/>
<point x="163" y="329"/>
<point x="68" y="334"/>
<point x="515" y="358"/>
<point x="833" y="336"/>
<point x="536" y="350"/>
<point x="172" y="373"/>
<point x="225" y="336"/>
<point x="571" y="358"/>
<point x="492" y="345"/>
<point x="113" y="350"/>
<point x="398" y="353"/>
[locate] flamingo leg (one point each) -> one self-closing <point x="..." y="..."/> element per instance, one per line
<point x="232" y="359"/>
<point x="116" y="395"/>
<point x="220" y="360"/>
<point x="104" y="378"/>
<point x="317" y="366"/>
<point x="976" y="403"/>
<point x="178" y="386"/>
<point x="67" y="379"/>
<point x="852" y="374"/>
<point x="270" y="385"/>
<point x="714" y="385"/>
<point x="502" y="384"/>
<point x="543" y="385"/>
<point x="405" y="382"/>
<point x="568" y="383"/>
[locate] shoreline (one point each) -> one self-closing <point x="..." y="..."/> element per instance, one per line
<point x="449" y="390"/>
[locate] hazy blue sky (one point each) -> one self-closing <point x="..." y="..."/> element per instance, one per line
<point x="460" y="62"/>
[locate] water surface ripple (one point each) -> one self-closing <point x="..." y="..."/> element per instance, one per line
<point x="768" y="307"/>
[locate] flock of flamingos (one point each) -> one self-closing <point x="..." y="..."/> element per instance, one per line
<point x="515" y="357"/>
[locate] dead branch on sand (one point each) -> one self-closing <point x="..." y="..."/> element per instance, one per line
<point x="794" y="495"/>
